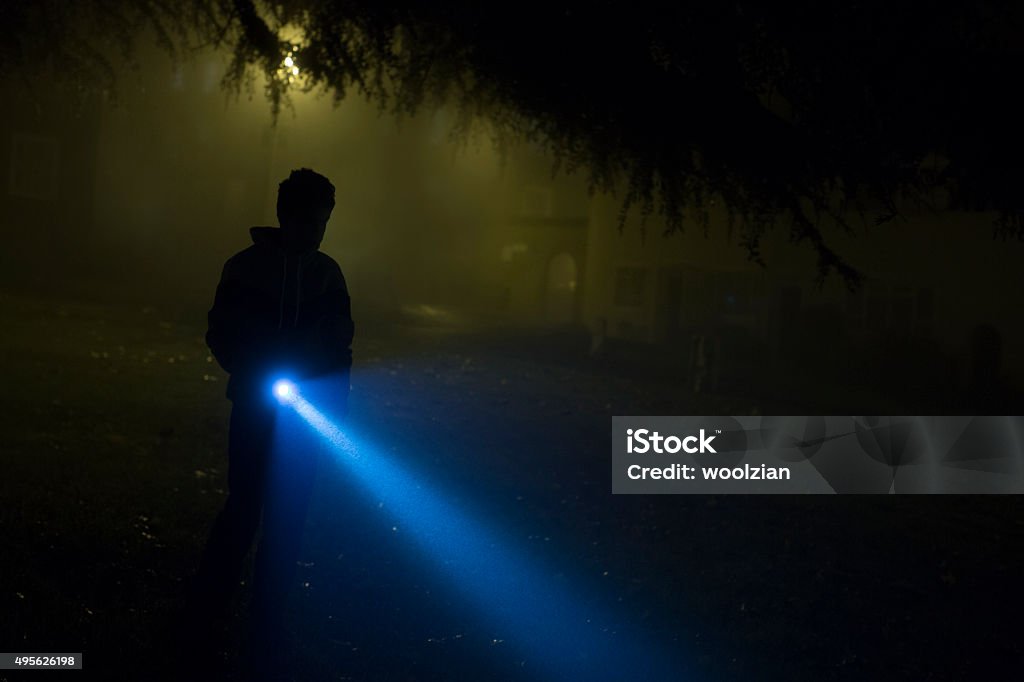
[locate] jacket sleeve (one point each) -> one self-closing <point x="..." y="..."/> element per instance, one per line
<point x="237" y="331"/>
<point x="330" y="318"/>
<point x="336" y="328"/>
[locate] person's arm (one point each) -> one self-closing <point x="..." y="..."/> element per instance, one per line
<point x="237" y="334"/>
<point x="327" y="341"/>
<point x="329" y="349"/>
<point x="337" y="328"/>
<point x="222" y="334"/>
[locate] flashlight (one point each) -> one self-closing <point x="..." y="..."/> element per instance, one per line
<point x="284" y="390"/>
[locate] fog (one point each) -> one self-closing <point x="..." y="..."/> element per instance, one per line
<point x="143" y="192"/>
<point x="158" y="183"/>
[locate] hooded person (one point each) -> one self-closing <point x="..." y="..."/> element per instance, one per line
<point x="282" y="306"/>
<point x="282" y="309"/>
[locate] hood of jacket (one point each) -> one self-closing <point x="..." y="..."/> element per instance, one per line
<point x="268" y="237"/>
<point x="273" y="238"/>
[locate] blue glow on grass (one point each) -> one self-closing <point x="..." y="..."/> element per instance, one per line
<point x="557" y="633"/>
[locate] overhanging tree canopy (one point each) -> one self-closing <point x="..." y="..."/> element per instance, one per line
<point x="798" y="113"/>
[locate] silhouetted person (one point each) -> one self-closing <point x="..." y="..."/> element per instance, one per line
<point x="282" y="308"/>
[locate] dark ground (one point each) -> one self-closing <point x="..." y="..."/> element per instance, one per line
<point x="113" y="459"/>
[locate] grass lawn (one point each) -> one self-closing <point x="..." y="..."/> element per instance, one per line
<point x="114" y="461"/>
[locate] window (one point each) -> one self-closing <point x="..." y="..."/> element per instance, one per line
<point x="901" y="310"/>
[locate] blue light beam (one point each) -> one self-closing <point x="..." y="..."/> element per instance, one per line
<point x="560" y="635"/>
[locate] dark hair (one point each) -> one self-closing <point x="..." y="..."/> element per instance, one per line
<point x="304" y="194"/>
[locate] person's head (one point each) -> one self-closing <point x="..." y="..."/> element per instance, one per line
<point x="304" y="204"/>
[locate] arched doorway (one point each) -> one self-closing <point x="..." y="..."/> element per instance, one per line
<point x="560" y="294"/>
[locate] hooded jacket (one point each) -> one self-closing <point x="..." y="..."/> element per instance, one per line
<point x="280" y="314"/>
